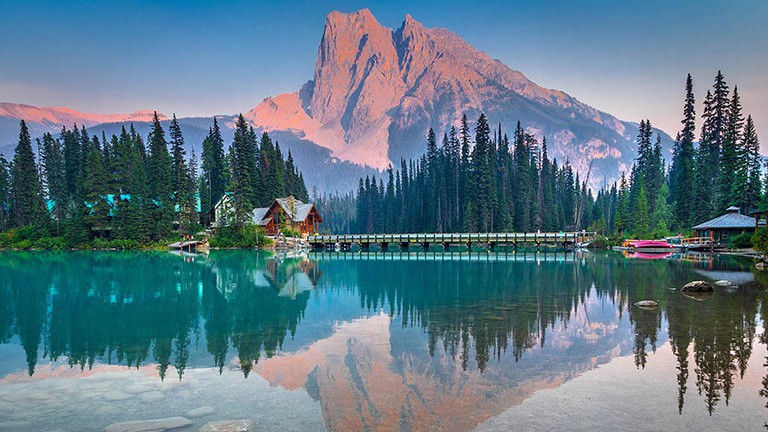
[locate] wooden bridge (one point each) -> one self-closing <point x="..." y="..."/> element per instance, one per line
<point x="405" y="241"/>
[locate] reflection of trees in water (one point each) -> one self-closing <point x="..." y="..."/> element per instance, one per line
<point x="125" y="307"/>
<point x="511" y="307"/>
<point x="135" y="307"/>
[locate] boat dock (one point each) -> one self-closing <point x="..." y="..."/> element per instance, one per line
<point x="405" y="241"/>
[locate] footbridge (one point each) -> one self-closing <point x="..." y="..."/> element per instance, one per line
<point x="424" y="241"/>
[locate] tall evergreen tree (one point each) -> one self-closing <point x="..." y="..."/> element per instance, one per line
<point x="54" y="173"/>
<point x="682" y="175"/>
<point x="734" y="164"/>
<point x="28" y="202"/>
<point x="159" y="180"/>
<point x="241" y="151"/>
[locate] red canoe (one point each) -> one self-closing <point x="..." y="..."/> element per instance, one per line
<point x="654" y="244"/>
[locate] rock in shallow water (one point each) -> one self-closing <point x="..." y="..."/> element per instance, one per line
<point x="647" y="304"/>
<point x="723" y="283"/>
<point x="697" y="287"/>
<point x="228" y="426"/>
<point x="149" y="425"/>
<point x="200" y="412"/>
<point x="153" y="396"/>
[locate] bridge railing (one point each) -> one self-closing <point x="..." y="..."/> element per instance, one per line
<point x="449" y="237"/>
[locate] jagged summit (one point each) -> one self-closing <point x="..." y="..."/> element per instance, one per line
<point x="376" y="92"/>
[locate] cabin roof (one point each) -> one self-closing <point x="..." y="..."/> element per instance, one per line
<point x="728" y="220"/>
<point x="260" y="216"/>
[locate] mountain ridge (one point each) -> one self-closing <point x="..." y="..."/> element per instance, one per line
<point x="375" y="93"/>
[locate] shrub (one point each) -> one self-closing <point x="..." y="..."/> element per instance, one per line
<point x="51" y="243"/>
<point x="741" y="241"/>
<point x="760" y="240"/>
<point x="290" y="233"/>
<point x="248" y="237"/>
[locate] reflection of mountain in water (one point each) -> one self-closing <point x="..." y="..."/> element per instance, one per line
<point x="435" y="339"/>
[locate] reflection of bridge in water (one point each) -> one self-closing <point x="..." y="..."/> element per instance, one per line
<point x="510" y="256"/>
<point x="405" y="241"/>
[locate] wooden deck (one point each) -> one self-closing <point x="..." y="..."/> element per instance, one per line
<point x="493" y="240"/>
<point x="187" y="245"/>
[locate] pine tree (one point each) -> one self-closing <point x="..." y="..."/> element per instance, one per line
<point x="53" y="168"/>
<point x="751" y="146"/>
<point x="682" y="174"/>
<point x="707" y="154"/>
<point x="95" y="191"/>
<point x="159" y="180"/>
<point x="213" y="165"/>
<point x="623" y="218"/>
<point x="484" y="197"/>
<point x="241" y="168"/>
<point x="179" y="167"/>
<point x="734" y="165"/>
<point x="6" y="195"/>
<point x="28" y="202"/>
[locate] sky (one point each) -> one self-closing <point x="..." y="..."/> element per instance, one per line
<point x="196" y="58"/>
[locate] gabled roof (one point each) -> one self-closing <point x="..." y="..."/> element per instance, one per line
<point x="300" y="209"/>
<point x="728" y="220"/>
<point x="259" y="216"/>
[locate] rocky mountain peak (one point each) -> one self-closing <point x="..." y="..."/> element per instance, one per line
<point x="376" y="92"/>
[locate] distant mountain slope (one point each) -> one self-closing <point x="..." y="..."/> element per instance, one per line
<point x="377" y="91"/>
<point x="51" y="119"/>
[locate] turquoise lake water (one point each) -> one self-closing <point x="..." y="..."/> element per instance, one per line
<point x="381" y="341"/>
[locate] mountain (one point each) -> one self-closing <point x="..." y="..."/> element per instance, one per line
<point x="51" y="119"/>
<point x="374" y="95"/>
<point x="377" y="91"/>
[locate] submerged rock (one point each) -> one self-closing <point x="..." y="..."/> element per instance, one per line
<point x="647" y="304"/>
<point x="697" y="287"/>
<point x="723" y="283"/>
<point x="761" y="266"/>
<point x="152" y="396"/>
<point x="160" y="425"/>
<point x="228" y="426"/>
<point x="200" y="412"/>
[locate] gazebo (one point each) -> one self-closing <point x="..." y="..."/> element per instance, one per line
<point x="731" y="224"/>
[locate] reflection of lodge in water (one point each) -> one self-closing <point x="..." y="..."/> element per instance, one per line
<point x="509" y="327"/>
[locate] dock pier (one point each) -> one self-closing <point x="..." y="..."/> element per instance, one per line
<point x="425" y="241"/>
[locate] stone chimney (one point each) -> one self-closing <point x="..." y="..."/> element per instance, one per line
<point x="291" y="205"/>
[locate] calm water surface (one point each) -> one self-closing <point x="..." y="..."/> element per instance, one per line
<point x="380" y="341"/>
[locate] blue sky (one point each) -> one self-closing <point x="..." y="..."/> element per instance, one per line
<point x="628" y="58"/>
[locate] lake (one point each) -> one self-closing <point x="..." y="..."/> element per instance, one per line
<point x="545" y="340"/>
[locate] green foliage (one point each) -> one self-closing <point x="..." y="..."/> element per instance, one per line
<point x="245" y="237"/>
<point x="741" y="241"/>
<point x="760" y="240"/>
<point x="290" y="233"/>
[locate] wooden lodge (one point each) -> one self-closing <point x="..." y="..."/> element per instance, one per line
<point x="289" y="213"/>
<point x="722" y="228"/>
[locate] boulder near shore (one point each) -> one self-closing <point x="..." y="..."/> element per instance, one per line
<point x="697" y="287"/>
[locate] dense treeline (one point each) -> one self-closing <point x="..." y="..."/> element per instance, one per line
<point x="478" y="181"/>
<point x="88" y="188"/>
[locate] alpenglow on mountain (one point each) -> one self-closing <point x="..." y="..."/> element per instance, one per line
<point x="374" y="95"/>
<point x="376" y="92"/>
